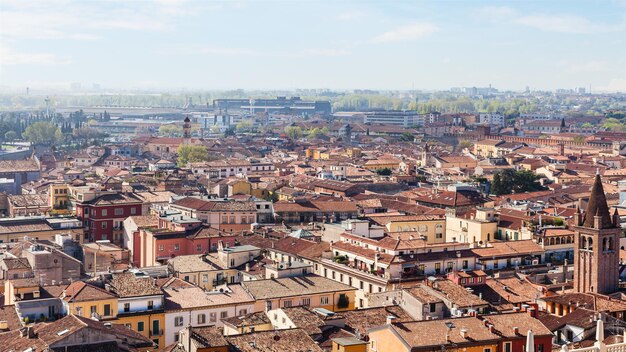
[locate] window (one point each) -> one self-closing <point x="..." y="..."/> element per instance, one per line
<point x="186" y="278"/>
<point x="205" y="277"/>
<point x="176" y="247"/>
<point x="93" y="309"/>
<point x="486" y="349"/>
<point x="495" y="264"/>
<point x="201" y="318"/>
<point x="507" y="346"/>
<point x="119" y="211"/>
<point x="306" y="301"/>
<point x="133" y="211"/>
<point x="161" y="247"/>
<point x="126" y="307"/>
<point x="150" y="305"/>
<point x="371" y="288"/>
<point x="178" y="321"/>
<point x="107" y="310"/>
<point x="324" y="300"/>
<point x="199" y="248"/>
<point x="465" y="264"/>
<point x="140" y="326"/>
<point x="450" y="266"/>
<point x="212" y="317"/>
<point x="437" y="268"/>
<point x="104" y="212"/>
<point x="104" y="225"/>
<point x="373" y="345"/>
<point x="224" y="315"/>
<point x="243" y="311"/>
<point x="433" y="307"/>
<point x="287" y="303"/>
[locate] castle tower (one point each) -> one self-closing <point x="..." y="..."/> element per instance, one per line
<point x="596" y="258"/>
<point x="187" y="128"/>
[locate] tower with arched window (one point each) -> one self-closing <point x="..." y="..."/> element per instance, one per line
<point x="596" y="254"/>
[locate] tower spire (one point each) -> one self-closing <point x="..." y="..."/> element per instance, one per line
<point x="597" y="206"/>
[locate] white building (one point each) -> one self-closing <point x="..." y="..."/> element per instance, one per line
<point x="193" y="306"/>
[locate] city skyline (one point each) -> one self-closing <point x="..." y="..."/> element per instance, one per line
<point x="313" y="44"/>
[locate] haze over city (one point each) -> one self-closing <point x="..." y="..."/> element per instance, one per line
<point x="179" y="44"/>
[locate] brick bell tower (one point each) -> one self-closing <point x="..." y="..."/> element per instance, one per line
<point x="596" y="243"/>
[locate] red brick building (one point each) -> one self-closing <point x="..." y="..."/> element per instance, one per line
<point x="176" y="235"/>
<point x="102" y="217"/>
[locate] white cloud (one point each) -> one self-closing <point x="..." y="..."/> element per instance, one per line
<point x="567" y="24"/>
<point x="407" y="33"/>
<point x="8" y="56"/>
<point x="78" y="20"/>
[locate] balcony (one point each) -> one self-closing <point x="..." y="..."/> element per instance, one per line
<point x="156" y="332"/>
<point x="221" y="281"/>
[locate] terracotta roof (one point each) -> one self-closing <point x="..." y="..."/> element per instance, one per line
<point x="80" y="291"/>
<point x="510" y="248"/>
<point x="250" y="319"/>
<point x="194" y="297"/>
<point x="195" y="203"/>
<point x="505" y="325"/>
<point x="304" y="319"/>
<point x="274" y="341"/>
<point x="458" y="294"/>
<point x="420" y="334"/>
<point x="128" y="285"/>
<point x="293" y="286"/>
<point x="208" y="336"/>
<point x="364" y="319"/>
<point x="9" y="314"/>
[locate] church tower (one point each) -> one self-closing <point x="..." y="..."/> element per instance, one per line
<point x="187" y="128"/>
<point x="596" y="258"/>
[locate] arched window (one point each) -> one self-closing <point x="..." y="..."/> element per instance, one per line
<point x="590" y="243"/>
<point x="610" y="244"/>
<point x="605" y="245"/>
<point x="583" y="242"/>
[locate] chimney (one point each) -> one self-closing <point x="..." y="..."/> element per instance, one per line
<point x="515" y="330"/>
<point x="390" y="319"/>
<point x="247" y="267"/>
<point x="491" y="328"/>
<point x="532" y="312"/>
<point x="464" y="333"/>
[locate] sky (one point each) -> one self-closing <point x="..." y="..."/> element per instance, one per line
<point x="334" y="44"/>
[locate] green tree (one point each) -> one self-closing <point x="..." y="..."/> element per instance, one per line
<point x="315" y="133"/>
<point x="294" y="132"/>
<point x="192" y="154"/>
<point x="43" y="132"/>
<point x="384" y="172"/>
<point x="244" y="126"/>
<point x="10" y="136"/>
<point x="171" y="130"/>
<point x="510" y="181"/>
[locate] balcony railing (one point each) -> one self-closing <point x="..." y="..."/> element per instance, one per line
<point x="156" y="332"/>
<point x="218" y="282"/>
